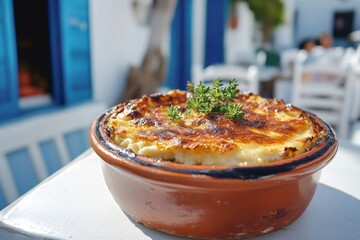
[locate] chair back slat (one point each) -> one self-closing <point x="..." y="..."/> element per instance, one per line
<point x="63" y="152"/>
<point x="29" y="134"/>
<point x="330" y="90"/>
<point x="7" y="181"/>
<point x="325" y="103"/>
<point x="38" y="161"/>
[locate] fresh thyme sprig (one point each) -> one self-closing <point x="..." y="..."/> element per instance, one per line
<point x="234" y="111"/>
<point x="215" y="100"/>
<point x="174" y="113"/>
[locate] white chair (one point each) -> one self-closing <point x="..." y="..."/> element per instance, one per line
<point x="321" y="88"/>
<point x="283" y="83"/>
<point x="350" y="123"/>
<point x="349" y="57"/>
<point x="29" y="135"/>
<point x="246" y="77"/>
<point x="354" y="117"/>
<point x="287" y="60"/>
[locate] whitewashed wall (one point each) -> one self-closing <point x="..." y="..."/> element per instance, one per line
<point x="239" y="42"/>
<point x="315" y="17"/>
<point x="284" y="34"/>
<point x="117" y="42"/>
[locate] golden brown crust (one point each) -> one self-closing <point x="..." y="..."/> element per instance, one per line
<point x="266" y="122"/>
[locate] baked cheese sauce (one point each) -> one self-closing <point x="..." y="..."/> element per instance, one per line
<point x="269" y="131"/>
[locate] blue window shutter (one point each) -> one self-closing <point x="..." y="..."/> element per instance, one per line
<point x="75" y="50"/>
<point x="216" y="15"/>
<point x="180" y="46"/>
<point x="55" y="48"/>
<point x="8" y="63"/>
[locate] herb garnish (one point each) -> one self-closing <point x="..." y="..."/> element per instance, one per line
<point x="174" y="112"/>
<point x="207" y="101"/>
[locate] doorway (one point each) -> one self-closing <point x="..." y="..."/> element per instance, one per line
<point x="33" y="52"/>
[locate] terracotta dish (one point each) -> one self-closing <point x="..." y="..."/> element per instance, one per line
<point x="211" y="202"/>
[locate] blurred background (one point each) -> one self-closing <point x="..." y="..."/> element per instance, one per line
<point x="63" y="62"/>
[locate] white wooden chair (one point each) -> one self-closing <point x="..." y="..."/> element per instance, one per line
<point x="283" y="83"/>
<point x="287" y="60"/>
<point x="28" y="134"/>
<point x="350" y="123"/>
<point x="247" y="77"/>
<point x="321" y="88"/>
<point x="353" y="118"/>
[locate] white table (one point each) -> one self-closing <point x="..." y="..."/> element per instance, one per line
<point x="268" y="73"/>
<point x="75" y="204"/>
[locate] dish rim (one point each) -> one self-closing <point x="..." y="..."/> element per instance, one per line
<point x="324" y="151"/>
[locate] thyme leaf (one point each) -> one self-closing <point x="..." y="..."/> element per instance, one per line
<point x="211" y="100"/>
<point x="174" y="113"/>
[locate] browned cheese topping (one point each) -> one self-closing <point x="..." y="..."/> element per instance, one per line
<point x="270" y="130"/>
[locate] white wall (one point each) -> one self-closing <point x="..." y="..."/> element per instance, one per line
<point x="284" y="34"/>
<point x="117" y="42"/>
<point x="239" y="42"/>
<point x="198" y="32"/>
<point x="315" y="17"/>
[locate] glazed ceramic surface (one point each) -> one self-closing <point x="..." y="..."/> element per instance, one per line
<point x="211" y="202"/>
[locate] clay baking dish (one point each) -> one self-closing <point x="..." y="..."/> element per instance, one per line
<point x="211" y="202"/>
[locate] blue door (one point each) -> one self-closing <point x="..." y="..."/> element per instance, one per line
<point x="215" y="31"/>
<point x="180" y="46"/>
<point x="8" y="62"/>
<point x="75" y="50"/>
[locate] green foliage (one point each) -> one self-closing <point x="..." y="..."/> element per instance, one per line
<point x="207" y="100"/>
<point x="234" y="111"/>
<point x="174" y="113"/>
<point x="269" y="11"/>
